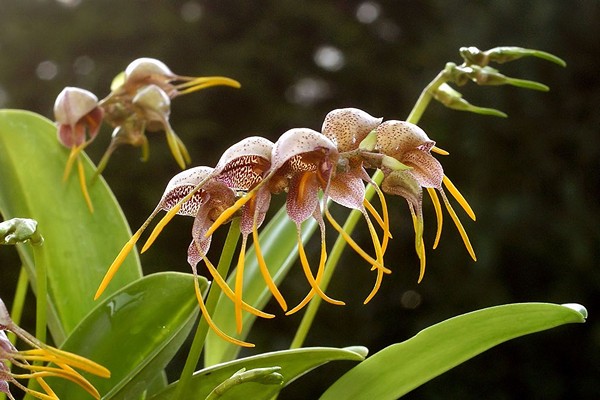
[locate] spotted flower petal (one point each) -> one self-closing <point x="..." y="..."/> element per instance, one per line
<point x="242" y="168"/>
<point x="410" y="145"/>
<point x="180" y="187"/>
<point x="303" y="164"/>
<point x="348" y="127"/>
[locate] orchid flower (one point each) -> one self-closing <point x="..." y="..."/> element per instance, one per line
<point x="204" y="205"/>
<point x="150" y="110"/>
<point x="347" y="128"/>
<point x="410" y="145"/>
<point x="79" y="117"/>
<point x="140" y="101"/>
<point x="204" y="193"/>
<point x="302" y="164"/>
<point x="65" y="363"/>
<point x="241" y="168"/>
<point x="146" y="71"/>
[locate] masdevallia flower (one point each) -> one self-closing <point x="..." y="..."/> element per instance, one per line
<point x="140" y="101"/>
<point x="150" y="109"/>
<point x="78" y="116"/>
<point x="410" y="145"/>
<point x="204" y="193"/>
<point x="60" y="363"/>
<point x="302" y="163"/>
<point x="347" y="128"/>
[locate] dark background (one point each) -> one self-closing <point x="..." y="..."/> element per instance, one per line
<point x="533" y="179"/>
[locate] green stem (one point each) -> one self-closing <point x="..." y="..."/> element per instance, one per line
<point x="19" y="301"/>
<point x="354" y="216"/>
<point x="39" y="256"/>
<point x="211" y="303"/>
<point x="425" y="98"/>
<point x="17" y="310"/>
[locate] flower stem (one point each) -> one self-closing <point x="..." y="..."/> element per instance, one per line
<point x="211" y="303"/>
<point x="354" y="216"/>
<point x="39" y="255"/>
<point x="19" y="301"/>
<point x="426" y="95"/>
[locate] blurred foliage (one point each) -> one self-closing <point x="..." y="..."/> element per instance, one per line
<point x="533" y="179"/>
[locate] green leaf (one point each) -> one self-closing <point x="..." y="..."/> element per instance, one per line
<point x="293" y="364"/>
<point x="400" y="368"/>
<point x="134" y="333"/>
<point x="79" y="246"/>
<point x="279" y="248"/>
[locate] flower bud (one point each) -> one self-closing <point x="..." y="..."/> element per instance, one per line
<point x="153" y="103"/>
<point x="76" y="110"/>
<point x="148" y="70"/>
<point x="451" y="98"/>
<point x="504" y="54"/>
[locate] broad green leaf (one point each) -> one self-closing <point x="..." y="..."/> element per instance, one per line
<point x="279" y="248"/>
<point x="134" y="333"/>
<point x="79" y="246"/>
<point x="293" y="364"/>
<point x="400" y="368"/>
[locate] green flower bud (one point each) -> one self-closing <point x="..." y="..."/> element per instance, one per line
<point x="451" y="98"/>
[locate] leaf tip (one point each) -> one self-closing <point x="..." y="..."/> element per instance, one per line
<point x="359" y="350"/>
<point x="577" y="307"/>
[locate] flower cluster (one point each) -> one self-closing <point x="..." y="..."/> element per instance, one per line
<point x="139" y="102"/>
<point x="62" y="365"/>
<point x="311" y="168"/>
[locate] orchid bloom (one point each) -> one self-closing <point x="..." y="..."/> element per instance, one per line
<point x="347" y="128"/>
<point x="150" y="111"/>
<point x="205" y="193"/>
<point x="239" y="169"/>
<point x="145" y="71"/>
<point x="79" y="117"/>
<point x="410" y="145"/>
<point x="140" y="101"/>
<point x="302" y="163"/>
<point x="65" y="363"/>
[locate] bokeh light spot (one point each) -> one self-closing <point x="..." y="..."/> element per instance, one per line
<point x="307" y="91"/>
<point x="191" y="11"/>
<point x="410" y="299"/>
<point x="69" y="3"/>
<point x="84" y="65"/>
<point x="329" y="58"/>
<point x="46" y="70"/>
<point x="368" y="12"/>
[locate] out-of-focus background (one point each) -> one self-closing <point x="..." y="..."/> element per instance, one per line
<point x="533" y="179"/>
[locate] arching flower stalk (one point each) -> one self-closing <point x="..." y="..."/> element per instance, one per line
<point x="347" y="128"/>
<point x="410" y="145"/>
<point x="65" y="363"/>
<point x="78" y="117"/>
